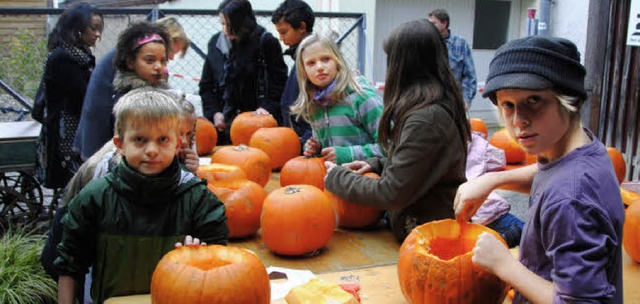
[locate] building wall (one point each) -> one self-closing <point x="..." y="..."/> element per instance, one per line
<point x="569" y="20"/>
<point x="12" y="25"/>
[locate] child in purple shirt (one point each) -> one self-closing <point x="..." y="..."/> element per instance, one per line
<point x="570" y="249"/>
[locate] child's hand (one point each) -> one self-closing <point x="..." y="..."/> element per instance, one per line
<point x="189" y="240"/>
<point x="311" y="147"/>
<point x="218" y="121"/>
<point x="470" y="197"/>
<point x="262" y="111"/>
<point x="358" y="166"/>
<point x="329" y="165"/>
<point x="490" y="254"/>
<point x="329" y="154"/>
<point x="189" y="158"/>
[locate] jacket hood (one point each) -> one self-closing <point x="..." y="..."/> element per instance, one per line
<point x="127" y="81"/>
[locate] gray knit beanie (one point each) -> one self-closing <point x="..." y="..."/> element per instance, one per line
<point x="537" y="63"/>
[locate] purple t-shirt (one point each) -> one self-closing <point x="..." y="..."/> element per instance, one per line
<point x="574" y="233"/>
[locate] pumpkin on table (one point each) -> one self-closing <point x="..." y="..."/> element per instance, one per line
<point x="513" y="152"/>
<point x="216" y="172"/>
<point x="631" y="231"/>
<point x="434" y="265"/>
<point x="253" y="161"/>
<point x="303" y="170"/>
<point x="296" y="220"/>
<point x="619" y="165"/>
<point x="352" y="215"/>
<point x="280" y="143"/>
<point x="243" y="205"/>
<point x="246" y="123"/>
<point x="210" y="274"/>
<point x="479" y="126"/>
<point x="206" y="136"/>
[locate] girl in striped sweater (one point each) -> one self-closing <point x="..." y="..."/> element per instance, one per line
<point x="343" y="110"/>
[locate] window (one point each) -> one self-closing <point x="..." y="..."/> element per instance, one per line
<point x="491" y="25"/>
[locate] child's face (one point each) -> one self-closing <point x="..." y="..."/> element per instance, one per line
<point x="319" y="65"/>
<point x="187" y="129"/>
<point x="290" y="36"/>
<point x="150" y="61"/>
<point x="226" y="27"/>
<point x="176" y="48"/>
<point x="149" y="148"/>
<point x="536" y="120"/>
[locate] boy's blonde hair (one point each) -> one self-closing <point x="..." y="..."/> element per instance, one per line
<point x="146" y="106"/>
<point x="304" y="105"/>
<point x="176" y="32"/>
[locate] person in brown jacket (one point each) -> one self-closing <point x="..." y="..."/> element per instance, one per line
<point x="424" y="131"/>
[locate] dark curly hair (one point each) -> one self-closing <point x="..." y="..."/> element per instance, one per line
<point x="127" y="47"/>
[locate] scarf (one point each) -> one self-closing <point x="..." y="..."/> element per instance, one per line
<point x="83" y="57"/>
<point x="323" y="97"/>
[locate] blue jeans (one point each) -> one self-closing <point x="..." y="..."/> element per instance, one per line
<point x="509" y="227"/>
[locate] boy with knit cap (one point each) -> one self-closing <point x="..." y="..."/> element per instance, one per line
<point x="570" y="249"/>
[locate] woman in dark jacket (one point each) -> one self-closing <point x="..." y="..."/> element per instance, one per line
<point x="244" y="69"/>
<point x="66" y="75"/>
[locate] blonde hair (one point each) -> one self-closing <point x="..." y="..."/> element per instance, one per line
<point x="304" y="105"/>
<point x="146" y="106"/>
<point x="176" y="32"/>
<point x="86" y="171"/>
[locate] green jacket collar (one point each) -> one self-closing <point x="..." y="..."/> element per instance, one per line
<point x="145" y="190"/>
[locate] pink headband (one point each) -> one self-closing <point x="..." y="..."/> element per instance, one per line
<point x="150" y="38"/>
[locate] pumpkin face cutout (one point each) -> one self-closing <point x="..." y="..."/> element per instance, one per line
<point x="206" y="136"/>
<point x="246" y="123"/>
<point x="280" y="143"/>
<point x="254" y="162"/>
<point x="210" y="274"/>
<point x="352" y="215"/>
<point x="434" y="265"/>
<point x="305" y="171"/>
<point x="243" y="205"/>
<point x="631" y="231"/>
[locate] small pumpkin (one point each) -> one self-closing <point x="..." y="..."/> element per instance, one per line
<point x="280" y="143"/>
<point x="479" y="126"/>
<point x="215" y="172"/>
<point x="246" y="123"/>
<point x="253" y="161"/>
<point x="296" y="220"/>
<point x="243" y="205"/>
<point x="628" y="196"/>
<point x="352" y="215"/>
<point x="513" y="152"/>
<point x="210" y="274"/>
<point x="303" y="170"/>
<point x="619" y="165"/>
<point x="206" y="136"/>
<point x="631" y="231"/>
<point x="434" y="265"/>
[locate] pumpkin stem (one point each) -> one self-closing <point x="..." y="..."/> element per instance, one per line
<point x="241" y="147"/>
<point x="291" y="190"/>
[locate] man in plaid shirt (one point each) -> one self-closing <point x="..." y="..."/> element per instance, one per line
<point x="460" y="59"/>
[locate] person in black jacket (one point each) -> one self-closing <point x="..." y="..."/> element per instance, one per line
<point x="244" y="69"/>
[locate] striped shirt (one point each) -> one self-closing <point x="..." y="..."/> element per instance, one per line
<point x="461" y="64"/>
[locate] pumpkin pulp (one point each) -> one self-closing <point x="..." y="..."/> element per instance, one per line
<point x="447" y="249"/>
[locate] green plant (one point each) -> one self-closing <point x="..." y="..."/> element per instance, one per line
<point x="23" y="61"/>
<point x="22" y="278"/>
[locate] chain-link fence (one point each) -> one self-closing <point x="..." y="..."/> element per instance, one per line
<point x="23" y="42"/>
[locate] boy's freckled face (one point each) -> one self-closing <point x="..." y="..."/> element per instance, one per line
<point x="535" y="119"/>
<point x="288" y="35"/>
<point x="149" y="148"/>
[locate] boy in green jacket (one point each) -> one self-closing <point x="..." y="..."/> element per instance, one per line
<point x="124" y="223"/>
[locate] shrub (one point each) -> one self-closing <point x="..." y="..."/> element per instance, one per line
<point x="23" y="61"/>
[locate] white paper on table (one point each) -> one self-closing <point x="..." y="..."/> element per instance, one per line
<point x="295" y="278"/>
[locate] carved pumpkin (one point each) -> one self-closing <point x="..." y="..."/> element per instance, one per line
<point x="210" y="274"/>
<point x="303" y="170"/>
<point x="280" y="143"/>
<point x="243" y="205"/>
<point x="215" y="172"/>
<point x="479" y="126"/>
<point x="253" y="161"/>
<point x="619" y="165"/>
<point x="512" y="151"/>
<point x="206" y="136"/>
<point x="631" y="231"/>
<point x="434" y="265"/>
<point x="352" y="215"/>
<point x="246" y="123"/>
<point x="296" y="220"/>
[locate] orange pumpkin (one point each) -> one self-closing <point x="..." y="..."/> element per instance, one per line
<point x="215" y="172"/>
<point x="352" y="215"/>
<point x="280" y="143"/>
<point x="296" y="220"/>
<point x="206" y="136"/>
<point x="434" y="265"/>
<point x="254" y="162"/>
<point x="628" y="196"/>
<point x="512" y="151"/>
<point x="303" y="170"/>
<point x="478" y="125"/>
<point x="631" y="231"/>
<point x="210" y="274"/>
<point x="246" y="123"/>
<point x="619" y="165"/>
<point x="243" y="205"/>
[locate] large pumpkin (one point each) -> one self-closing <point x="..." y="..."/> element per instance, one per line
<point x="512" y="151"/>
<point x="619" y="165"/>
<point x="243" y="205"/>
<point x="434" y="265"/>
<point x="280" y="143"/>
<point x="206" y="136"/>
<point x="253" y="161"/>
<point x="296" y="220"/>
<point x="352" y="215"/>
<point x="215" y="172"/>
<point x="246" y="123"/>
<point x="631" y="231"/>
<point x="303" y="170"/>
<point x="210" y="274"/>
<point x="479" y="126"/>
